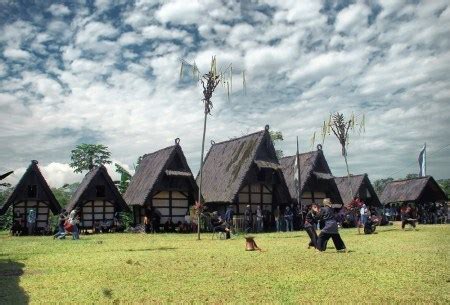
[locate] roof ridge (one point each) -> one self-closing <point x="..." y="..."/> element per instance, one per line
<point x="415" y="178"/>
<point x="241" y="137"/>
<point x="159" y="150"/>
<point x="303" y="153"/>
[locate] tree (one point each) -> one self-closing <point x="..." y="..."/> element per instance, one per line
<point x="64" y="193"/>
<point x="340" y="128"/>
<point x="125" y="178"/>
<point x="276" y="137"/>
<point x="412" y="176"/>
<point x="380" y="184"/>
<point x="445" y="185"/>
<point x="209" y="82"/>
<point x="86" y="156"/>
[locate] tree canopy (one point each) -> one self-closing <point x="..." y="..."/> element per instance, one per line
<point x="86" y="156"/>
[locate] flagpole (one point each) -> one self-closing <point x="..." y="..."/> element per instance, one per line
<point x="299" y="195"/>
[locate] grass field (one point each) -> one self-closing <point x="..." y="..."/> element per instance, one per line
<point x="392" y="266"/>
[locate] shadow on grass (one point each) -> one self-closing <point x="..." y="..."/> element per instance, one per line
<point x="11" y="292"/>
<point x="152" y="249"/>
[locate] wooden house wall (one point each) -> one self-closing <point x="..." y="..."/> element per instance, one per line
<point x="172" y="198"/>
<point x="21" y="209"/>
<point x="97" y="210"/>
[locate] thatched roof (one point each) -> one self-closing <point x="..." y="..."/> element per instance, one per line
<point x="419" y="190"/>
<point x="360" y="184"/>
<point x="86" y="191"/>
<point x="154" y="167"/>
<point x="312" y="163"/>
<point x="228" y="164"/>
<point x="32" y="176"/>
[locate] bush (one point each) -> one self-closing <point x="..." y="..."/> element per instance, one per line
<point x="6" y="220"/>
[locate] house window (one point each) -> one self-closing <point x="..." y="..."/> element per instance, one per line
<point x="32" y="191"/>
<point x="100" y="190"/>
<point x="261" y="175"/>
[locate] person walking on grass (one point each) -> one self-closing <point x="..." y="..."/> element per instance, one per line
<point x="330" y="229"/>
<point x="311" y="220"/>
<point x="288" y="218"/>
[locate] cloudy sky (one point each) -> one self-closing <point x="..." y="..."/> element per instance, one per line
<point x="108" y="72"/>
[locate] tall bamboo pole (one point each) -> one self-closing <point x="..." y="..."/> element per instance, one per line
<point x="201" y="175"/>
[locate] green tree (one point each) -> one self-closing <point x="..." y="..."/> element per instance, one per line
<point x="86" y="156"/>
<point x="380" y="184"/>
<point x="125" y="178"/>
<point x="64" y="193"/>
<point x="412" y="176"/>
<point x="445" y="185"/>
<point x="7" y="218"/>
<point x="277" y="137"/>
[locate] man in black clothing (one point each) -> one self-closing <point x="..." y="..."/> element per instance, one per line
<point x="330" y="229"/>
<point x="220" y="225"/>
<point x="310" y="225"/>
<point x="409" y="217"/>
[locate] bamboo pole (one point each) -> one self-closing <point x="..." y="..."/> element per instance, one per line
<point x="201" y="174"/>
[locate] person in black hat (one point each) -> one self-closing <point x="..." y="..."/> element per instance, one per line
<point x="330" y="229"/>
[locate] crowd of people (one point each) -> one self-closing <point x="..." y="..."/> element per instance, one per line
<point x="427" y="213"/>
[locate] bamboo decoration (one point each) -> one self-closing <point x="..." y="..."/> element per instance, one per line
<point x="209" y="82"/>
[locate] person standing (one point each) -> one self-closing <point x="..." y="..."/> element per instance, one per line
<point x="229" y="215"/>
<point x="277" y="215"/>
<point x="248" y="219"/>
<point x="259" y="219"/>
<point x="330" y="229"/>
<point x="288" y="218"/>
<point x="310" y="225"/>
<point x="31" y="221"/>
<point x="74" y="221"/>
<point x="364" y="215"/>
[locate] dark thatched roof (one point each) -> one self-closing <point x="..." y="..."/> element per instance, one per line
<point x="419" y="190"/>
<point x="312" y="164"/>
<point x="32" y="176"/>
<point x="86" y="191"/>
<point x="360" y="185"/>
<point x="154" y="167"/>
<point x="228" y="164"/>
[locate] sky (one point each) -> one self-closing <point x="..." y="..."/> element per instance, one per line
<point x="108" y="72"/>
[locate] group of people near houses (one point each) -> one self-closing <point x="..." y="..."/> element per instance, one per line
<point x="427" y="213"/>
<point x="68" y="222"/>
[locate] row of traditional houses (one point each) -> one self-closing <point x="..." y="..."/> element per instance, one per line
<point x="238" y="172"/>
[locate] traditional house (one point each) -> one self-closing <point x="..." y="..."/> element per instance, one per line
<point x="243" y="171"/>
<point x="163" y="181"/>
<point x="361" y="187"/>
<point x="97" y="198"/>
<point x="316" y="180"/>
<point x="417" y="190"/>
<point x="32" y="195"/>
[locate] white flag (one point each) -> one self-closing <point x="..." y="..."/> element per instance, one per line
<point x="423" y="161"/>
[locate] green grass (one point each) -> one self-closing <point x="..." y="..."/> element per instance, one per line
<point x="392" y="266"/>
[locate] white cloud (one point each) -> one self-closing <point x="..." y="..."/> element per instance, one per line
<point x="16" y="54"/>
<point x="180" y="12"/>
<point x="59" y="10"/>
<point x="352" y="18"/>
<point x="115" y="81"/>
